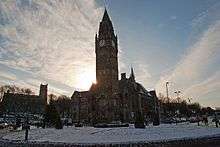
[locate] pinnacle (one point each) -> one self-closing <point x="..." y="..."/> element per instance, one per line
<point x="106" y="16"/>
<point x="132" y="74"/>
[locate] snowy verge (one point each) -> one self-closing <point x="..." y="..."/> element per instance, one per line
<point x="90" y="135"/>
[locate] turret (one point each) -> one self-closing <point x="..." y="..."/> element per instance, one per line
<point x="43" y="92"/>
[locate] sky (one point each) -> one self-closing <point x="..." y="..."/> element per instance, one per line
<point x="52" y="41"/>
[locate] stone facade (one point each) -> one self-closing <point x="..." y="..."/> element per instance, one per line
<point x="81" y="103"/>
<point x="111" y="99"/>
<point x="21" y="103"/>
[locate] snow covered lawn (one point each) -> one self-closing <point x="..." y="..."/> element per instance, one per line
<point x="117" y="135"/>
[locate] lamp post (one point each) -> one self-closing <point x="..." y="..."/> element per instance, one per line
<point x="26" y="128"/>
<point x="26" y="123"/>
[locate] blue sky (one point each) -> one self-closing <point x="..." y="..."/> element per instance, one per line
<point x="53" y="42"/>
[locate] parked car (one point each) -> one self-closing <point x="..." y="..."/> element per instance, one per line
<point x="217" y="113"/>
<point x="168" y="121"/>
<point x="3" y="125"/>
<point x="195" y="119"/>
<point x="78" y="125"/>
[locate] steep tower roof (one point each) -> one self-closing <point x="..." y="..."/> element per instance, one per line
<point x="106" y="16"/>
<point x="106" y="27"/>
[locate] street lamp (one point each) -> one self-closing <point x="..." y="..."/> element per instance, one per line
<point x="26" y="123"/>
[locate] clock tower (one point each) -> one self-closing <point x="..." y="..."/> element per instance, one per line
<point x="106" y="49"/>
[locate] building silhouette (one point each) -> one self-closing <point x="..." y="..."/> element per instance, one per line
<point x="16" y="103"/>
<point x="111" y="99"/>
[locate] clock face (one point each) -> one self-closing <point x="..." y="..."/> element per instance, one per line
<point x="101" y="42"/>
<point x="113" y="43"/>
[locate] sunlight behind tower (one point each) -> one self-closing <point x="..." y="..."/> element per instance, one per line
<point x="85" y="79"/>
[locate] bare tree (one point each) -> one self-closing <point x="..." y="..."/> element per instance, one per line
<point x="28" y="91"/>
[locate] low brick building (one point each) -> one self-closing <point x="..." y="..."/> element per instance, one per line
<point x="22" y="103"/>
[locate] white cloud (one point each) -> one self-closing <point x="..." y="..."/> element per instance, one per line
<point x="207" y="86"/>
<point x="51" y="39"/>
<point x="142" y="73"/>
<point x="7" y="76"/>
<point x="194" y="68"/>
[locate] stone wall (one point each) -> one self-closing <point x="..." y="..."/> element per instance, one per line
<point x="200" y="142"/>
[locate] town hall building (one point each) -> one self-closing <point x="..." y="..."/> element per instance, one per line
<point x="111" y="99"/>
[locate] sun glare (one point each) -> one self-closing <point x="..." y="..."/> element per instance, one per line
<point x="85" y="80"/>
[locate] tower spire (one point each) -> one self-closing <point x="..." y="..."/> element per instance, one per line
<point x="105" y="16"/>
<point x="132" y="77"/>
<point x="105" y="26"/>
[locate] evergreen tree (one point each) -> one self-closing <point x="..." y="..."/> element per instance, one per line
<point x="52" y="117"/>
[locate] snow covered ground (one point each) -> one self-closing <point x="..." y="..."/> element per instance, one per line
<point x="117" y="135"/>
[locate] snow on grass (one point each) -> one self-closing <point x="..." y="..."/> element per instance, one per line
<point x="116" y="135"/>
